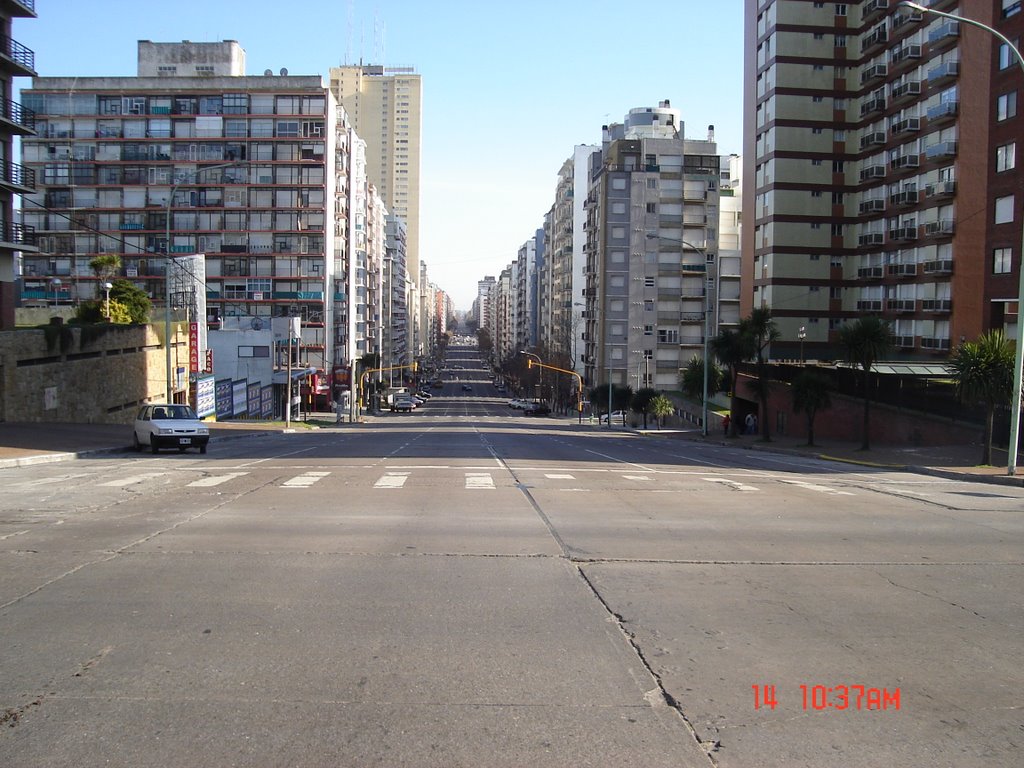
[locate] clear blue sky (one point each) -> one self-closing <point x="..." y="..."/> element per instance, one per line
<point x="509" y="88"/>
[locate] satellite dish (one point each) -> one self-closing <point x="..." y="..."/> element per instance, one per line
<point x="284" y="71"/>
<point x="257" y="324"/>
<point x="268" y="72"/>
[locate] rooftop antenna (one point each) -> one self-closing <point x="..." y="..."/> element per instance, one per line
<point x="350" y="31"/>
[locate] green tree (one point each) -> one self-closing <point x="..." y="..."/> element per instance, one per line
<point x="105" y="266"/>
<point x="133" y="299"/>
<point x="641" y="402"/>
<point x="761" y="328"/>
<point x="661" y="407"/>
<point x="691" y="380"/>
<point x="864" y="342"/>
<point x="94" y="312"/>
<point x="811" y="393"/>
<point x="983" y="371"/>
<point x="732" y="348"/>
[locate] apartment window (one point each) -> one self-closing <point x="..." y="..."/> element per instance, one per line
<point x="1006" y="106"/>
<point x="668" y="336"/>
<point x="204" y="70"/>
<point x="236" y="103"/>
<point x="815" y="225"/>
<point x="837" y="166"/>
<point x="816" y="161"/>
<point x="837" y="230"/>
<point x="1006" y="57"/>
<point x="816" y="99"/>
<point x="648" y="305"/>
<point x="253" y="352"/>
<point x="818" y="67"/>
<point x="1010" y="8"/>
<point x="840" y="9"/>
<point x="840" y="41"/>
<point x="166" y="70"/>
<point x="837" y="198"/>
<point x="835" y="292"/>
<point x="816" y="193"/>
<point x="819" y="35"/>
<point x="1005" y="156"/>
<point x="648" y="330"/>
<point x="815" y="256"/>
<point x="652" y="207"/>
<point x="1001" y="259"/>
<point x="815" y="131"/>
<point x="648" y="282"/>
<point x="1004" y="210"/>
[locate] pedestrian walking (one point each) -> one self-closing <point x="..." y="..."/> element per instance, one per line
<point x="725" y="425"/>
<point x="748" y="424"/>
<point x="754" y="426"/>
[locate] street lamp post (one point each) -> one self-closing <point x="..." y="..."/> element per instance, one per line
<point x="1018" y="364"/>
<point x="540" y="375"/>
<point x="708" y="285"/>
<point x="106" y="300"/>
<point x="167" y="272"/>
<point x="802" y="334"/>
<point x="55" y="282"/>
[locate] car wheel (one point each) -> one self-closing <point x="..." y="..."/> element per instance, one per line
<point x="202" y="449"/>
<point x="135" y="442"/>
<point x="181" y="449"/>
<point x="152" y="446"/>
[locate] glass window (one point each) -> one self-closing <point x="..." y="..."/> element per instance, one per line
<point x="1005" y="157"/>
<point x="1001" y="258"/>
<point x="1004" y="210"/>
<point x="235" y="103"/>
<point x="1006" y="106"/>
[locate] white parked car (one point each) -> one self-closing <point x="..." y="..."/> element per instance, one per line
<point x="167" y="425"/>
<point x="518" y="403"/>
<point x="617" y="417"/>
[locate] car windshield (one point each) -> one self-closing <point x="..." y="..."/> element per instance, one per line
<point x="174" y="412"/>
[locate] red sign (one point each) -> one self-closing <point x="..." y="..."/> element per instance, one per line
<point x="193" y="347"/>
<point x="209" y="361"/>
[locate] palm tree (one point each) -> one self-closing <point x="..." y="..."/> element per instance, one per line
<point x="983" y="371"/>
<point x="864" y="342"/>
<point x="691" y="380"/>
<point x="661" y="407"/>
<point x="732" y="348"/>
<point x="641" y="402"/>
<point x="763" y="332"/>
<point x="810" y="394"/>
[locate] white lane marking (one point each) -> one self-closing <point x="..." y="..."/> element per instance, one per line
<point x="559" y="477"/>
<point x="210" y="482"/>
<point x="815" y="487"/>
<point x="132" y="480"/>
<point x="9" y="535"/>
<point x="479" y="480"/>
<point x="575" y="490"/>
<point x="52" y="480"/>
<point x="636" y="477"/>
<point x="304" y="480"/>
<point x="392" y="480"/>
<point x="732" y="484"/>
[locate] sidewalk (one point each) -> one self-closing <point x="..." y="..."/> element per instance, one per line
<point x="23" y="444"/>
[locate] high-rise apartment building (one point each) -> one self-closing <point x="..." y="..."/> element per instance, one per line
<point x="652" y="244"/>
<point x="880" y="171"/>
<point x="15" y="120"/>
<point x="385" y="106"/>
<point x="261" y="174"/>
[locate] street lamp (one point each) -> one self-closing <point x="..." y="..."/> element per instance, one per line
<point x="55" y="284"/>
<point x="707" y="323"/>
<point x="540" y="375"/>
<point x="191" y="175"/>
<point x="106" y="300"/>
<point x="1018" y="364"/>
<point x="802" y="334"/>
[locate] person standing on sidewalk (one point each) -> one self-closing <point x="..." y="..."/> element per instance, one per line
<point x="726" y="421"/>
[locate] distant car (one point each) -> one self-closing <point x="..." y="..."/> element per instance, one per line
<point x="617" y="416"/>
<point x="467" y="388"/>
<point x="536" y="409"/>
<point x="403" y="404"/>
<point x="518" y="403"/>
<point x="424" y="394"/>
<point x="167" y="425"/>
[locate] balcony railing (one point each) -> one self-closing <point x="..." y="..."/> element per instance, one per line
<point x="869" y="305"/>
<point x="873" y="72"/>
<point x="940" y="189"/>
<point x="869" y="273"/>
<point x="875" y="205"/>
<point x="944" y="33"/>
<point x="941" y="150"/>
<point x="906" y="125"/>
<point x="13" y="112"/>
<point x="869" y="139"/>
<point x="943" y="111"/>
<point x="937" y="305"/>
<point x="19" y="176"/>
<point x="872" y="172"/>
<point x="939" y="345"/>
<point x="869" y="239"/>
<point x="18" y="53"/>
<point x="900" y="305"/>
<point x="906" y="89"/>
<point x="907" y="196"/>
<point x="940" y="267"/>
<point x="904" y="53"/>
<point x="21" y="234"/>
<point x="903" y="233"/>
<point x="939" y="228"/>
<point x="877" y="104"/>
<point x="947" y="70"/>
<point x="903" y="270"/>
<point x="904" y="342"/>
<point x="905" y="161"/>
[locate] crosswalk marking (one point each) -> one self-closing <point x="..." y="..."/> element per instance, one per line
<point x="731" y="484"/>
<point x="304" y="480"/>
<point x="392" y="480"/>
<point x="559" y="477"/>
<point x="479" y="480"/>
<point x="815" y="487"/>
<point x="131" y="480"/>
<point x="210" y="482"/>
<point x="636" y="477"/>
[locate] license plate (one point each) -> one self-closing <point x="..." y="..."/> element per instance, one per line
<point x="184" y="441"/>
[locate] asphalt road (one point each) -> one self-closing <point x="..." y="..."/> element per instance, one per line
<point x="467" y="586"/>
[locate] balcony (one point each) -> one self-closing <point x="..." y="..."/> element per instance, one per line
<point x="876" y="205"/>
<point x="937" y="345"/>
<point x="17" y="236"/>
<point x="906" y="125"/>
<point x="876" y="104"/>
<point x="19" y="59"/>
<point x="904" y="53"/>
<point x="908" y="89"/>
<point x="870" y="239"/>
<point x="902" y="270"/>
<point x="943" y="35"/>
<point x="872" y="8"/>
<point x="907" y="196"/>
<point x="873" y="39"/>
<point x="869" y="305"/>
<point x="940" y="267"/>
<point x="869" y="273"/>
<point x="872" y="172"/>
<point x="871" y="139"/>
<point x="940" y="228"/>
<point x="942" y="150"/>
<point x="940" y="189"/>
<point x="874" y="72"/>
<point x="900" y="305"/>
<point x="941" y="306"/>
<point x="904" y="233"/>
<point x="904" y="342"/>
<point x="904" y="161"/>
<point x="943" y="113"/>
<point x="905" y="17"/>
<point x="18" y="178"/>
<point x="18" y="119"/>
<point x="942" y="74"/>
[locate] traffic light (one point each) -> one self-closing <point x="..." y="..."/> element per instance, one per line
<point x="529" y="363"/>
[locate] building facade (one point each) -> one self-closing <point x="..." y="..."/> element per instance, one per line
<point x="880" y="173"/>
<point x="15" y="120"/>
